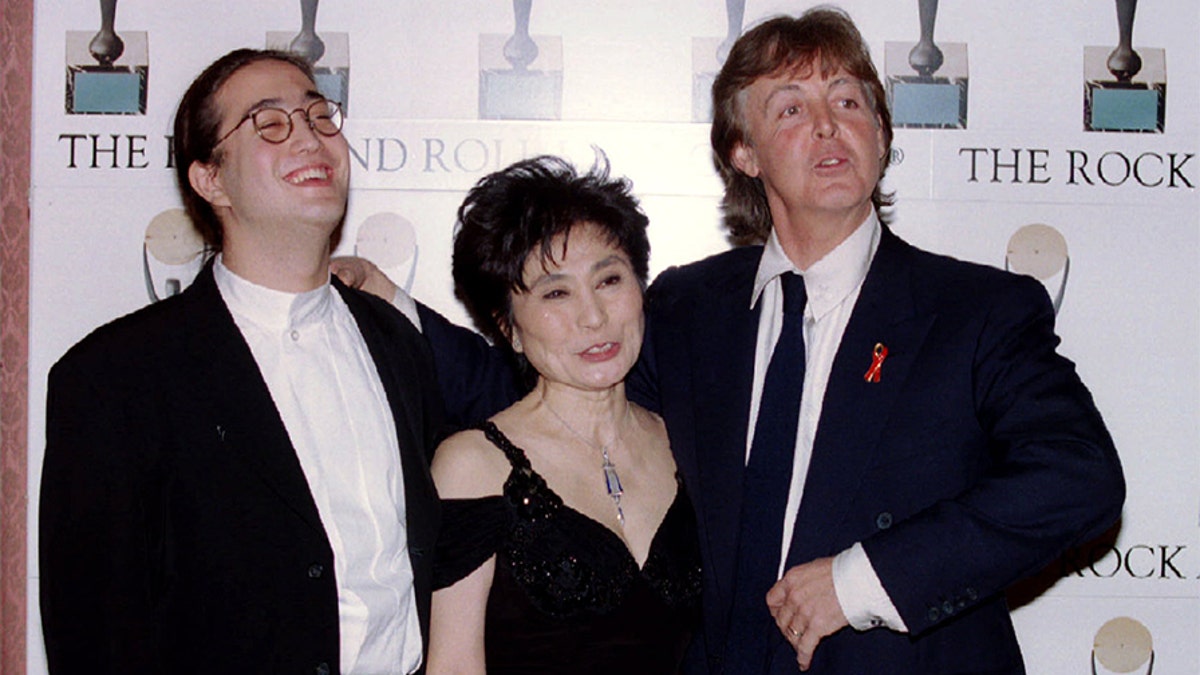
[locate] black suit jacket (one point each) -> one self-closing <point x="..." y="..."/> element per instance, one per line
<point x="975" y="460"/>
<point x="178" y="532"/>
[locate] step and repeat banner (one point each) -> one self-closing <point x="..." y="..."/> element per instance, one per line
<point x="1056" y="139"/>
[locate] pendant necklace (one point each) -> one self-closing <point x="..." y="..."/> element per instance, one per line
<point x="612" y="482"/>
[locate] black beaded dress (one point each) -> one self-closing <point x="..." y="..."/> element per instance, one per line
<point x="567" y="596"/>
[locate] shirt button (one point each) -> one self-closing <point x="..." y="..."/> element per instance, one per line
<point x="315" y="571"/>
<point x="295" y="335"/>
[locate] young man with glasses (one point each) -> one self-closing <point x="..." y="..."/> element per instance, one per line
<point x="236" y="478"/>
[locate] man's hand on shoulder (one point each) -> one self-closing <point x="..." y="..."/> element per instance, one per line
<point x="805" y="606"/>
<point x="364" y="275"/>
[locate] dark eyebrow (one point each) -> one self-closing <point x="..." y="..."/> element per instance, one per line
<point x="600" y="265"/>
<point x="611" y="260"/>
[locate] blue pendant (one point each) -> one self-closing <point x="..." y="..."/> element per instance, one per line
<point x="612" y="482"/>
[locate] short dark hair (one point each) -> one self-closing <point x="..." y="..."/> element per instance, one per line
<point x="783" y="44"/>
<point x="519" y="211"/>
<point x="197" y="121"/>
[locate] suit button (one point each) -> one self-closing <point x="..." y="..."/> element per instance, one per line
<point x="934" y="614"/>
<point x="883" y="521"/>
<point x="315" y="571"/>
<point x="947" y="608"/>
<point x="322" y="668"/>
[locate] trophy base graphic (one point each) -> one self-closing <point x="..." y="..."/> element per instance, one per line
<point x="702" y="96"/>
<point x="520" y="95"/>
<point x="927" y="103"/>
<point x="117" y="89"/>
<point x="1136" y="106"/>
<point x="334" y="84"/>
<point x="1119" y="106"/>
<point x="331" y="71"/>
<point x="935" y="101"/>
<point x="112" y="90"/>
<point x="529" y="90"/>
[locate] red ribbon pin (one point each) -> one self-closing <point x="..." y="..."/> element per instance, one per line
<point x="876" y="363"/>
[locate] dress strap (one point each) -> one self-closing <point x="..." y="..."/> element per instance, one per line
<point x="516" y="456"/>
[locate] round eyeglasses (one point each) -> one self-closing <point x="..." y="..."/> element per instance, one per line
<point x="274" y="125"/>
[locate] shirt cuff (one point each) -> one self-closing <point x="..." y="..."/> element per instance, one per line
<point x="407" y="306"/>
<point x="862" y="597"/>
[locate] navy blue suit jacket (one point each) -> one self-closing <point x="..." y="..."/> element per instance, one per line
<point x="975" y="460"/>
<point x="178" y="531"/>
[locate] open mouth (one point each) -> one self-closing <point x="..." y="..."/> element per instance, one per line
<point x="309" y="173"/>
<point x="602" y="350"/>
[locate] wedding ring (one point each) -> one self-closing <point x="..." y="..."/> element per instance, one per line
<point x="796" y="635"/>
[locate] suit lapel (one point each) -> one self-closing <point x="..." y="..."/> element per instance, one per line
<point x="855" y="411"/>
<point x="233" y="392"/>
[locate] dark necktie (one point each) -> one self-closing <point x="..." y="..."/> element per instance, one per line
<point x="765" y="487"/>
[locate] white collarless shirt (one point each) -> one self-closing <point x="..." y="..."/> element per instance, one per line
<point x="832" y="284"/>
<point x="329" y="395"/>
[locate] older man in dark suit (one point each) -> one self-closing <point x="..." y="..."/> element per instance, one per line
<point x="878" y="440"/>
<point x="236" y="478"/>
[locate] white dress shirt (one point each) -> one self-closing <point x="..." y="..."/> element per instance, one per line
<point x="833" y="284"/>
<point x="329" y="395"/>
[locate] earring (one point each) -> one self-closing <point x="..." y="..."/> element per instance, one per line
<point x="516" y="343"/>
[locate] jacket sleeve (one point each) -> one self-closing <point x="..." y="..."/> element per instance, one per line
<point x="476" y="379"/>
<point x="641" y="384"/>
<point x="1051" y="476"/>
<point x="98" y="518"/>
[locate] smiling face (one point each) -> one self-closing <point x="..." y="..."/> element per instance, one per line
<point x="816" y="143"/>
<point x="269" y="194"/>
<point x="580" y="323"/>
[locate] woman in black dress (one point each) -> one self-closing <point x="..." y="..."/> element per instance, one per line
<point x="568" y="543"/>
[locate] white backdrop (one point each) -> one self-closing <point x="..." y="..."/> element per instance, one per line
<point x="1126" y="205"/>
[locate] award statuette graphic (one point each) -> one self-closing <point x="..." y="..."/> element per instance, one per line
<point x="1041" y="252"/>
<point x="707" y="58"/>
<point x="107" y="73"/>
<point x="329" y="53"/>
<point x="927" y="81"/>
<point x="1123" y="645"/>
<point x="172" y="254"/>
<point x="1125" y="89"/>
<point x="390" y="241"/>
<point x="508" y="88"/>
